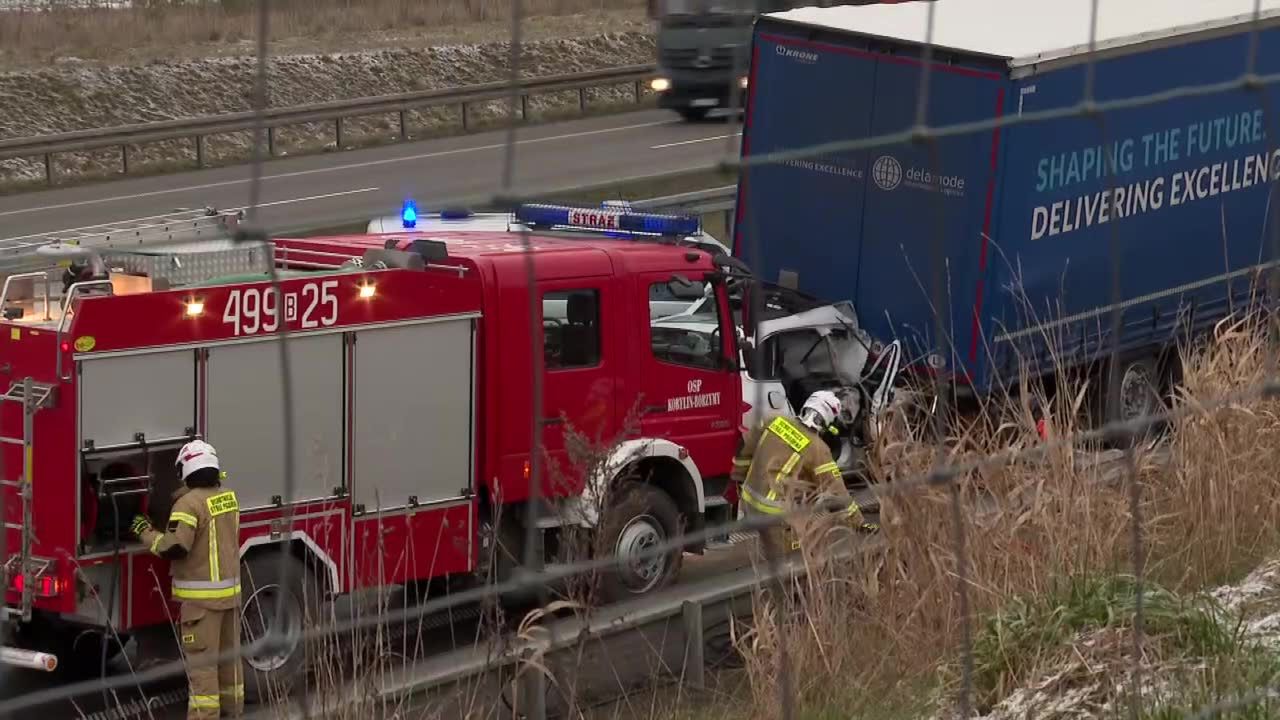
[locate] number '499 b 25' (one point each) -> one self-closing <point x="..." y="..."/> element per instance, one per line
<point x="254" y="310"/>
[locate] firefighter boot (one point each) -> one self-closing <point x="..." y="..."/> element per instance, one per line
<point x="201" y="634"/>
<point x="230" y="680"/>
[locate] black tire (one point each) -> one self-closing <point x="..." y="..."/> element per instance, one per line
<point x="267" y="581"/>
<point x="1132" y="392"/>
<point x="639" y="516"/>
<point x="693" y="114"/>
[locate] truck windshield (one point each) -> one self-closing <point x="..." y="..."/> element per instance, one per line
<point x="804" y="352"/>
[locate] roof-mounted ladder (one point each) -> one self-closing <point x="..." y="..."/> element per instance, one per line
<point x="18" y="254"/>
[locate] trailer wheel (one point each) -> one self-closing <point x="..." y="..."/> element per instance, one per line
<point x="639" y="518"/>
<point x="1132" y="393"/>
<point x="277" y="671"/>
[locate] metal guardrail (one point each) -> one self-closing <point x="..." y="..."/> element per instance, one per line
<point x="689" y="603"/>
<point x="715" y="199"/>
<point x="721" y="200"/>
<point x="337" y="111"/>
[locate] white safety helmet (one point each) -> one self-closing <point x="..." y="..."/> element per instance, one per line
<point x="820" y="410"/>
<point x="196" y="455"/>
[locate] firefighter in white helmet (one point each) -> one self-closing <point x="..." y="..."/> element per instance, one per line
<point x="786" y="464"/>
<point x="202" y="542"/>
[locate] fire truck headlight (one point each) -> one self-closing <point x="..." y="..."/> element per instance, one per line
<point x="660" y="84"/>
<point x="367" y="290"/>
<point x="743" y="82"/>
<point x="195" y="308"/>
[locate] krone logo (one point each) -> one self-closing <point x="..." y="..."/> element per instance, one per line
<point x="887" y="172"/>
<point x="805" y="56"/>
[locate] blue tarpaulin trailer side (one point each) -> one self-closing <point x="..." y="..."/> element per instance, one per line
<point x="1031" y="238"/>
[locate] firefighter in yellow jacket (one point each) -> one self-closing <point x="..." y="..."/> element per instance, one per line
<point x="202" y="541"/>
<point x="786" y="464"/>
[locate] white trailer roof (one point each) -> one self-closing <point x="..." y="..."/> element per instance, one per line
<point x="1031" y="31"/>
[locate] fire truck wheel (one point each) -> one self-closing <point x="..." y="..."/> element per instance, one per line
<point x="276" y="671"/>
<point x="640" y="518"/>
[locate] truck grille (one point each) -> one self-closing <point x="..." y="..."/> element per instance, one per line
<point x="710" y="58"/>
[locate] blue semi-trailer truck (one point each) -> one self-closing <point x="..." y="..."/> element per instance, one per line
<point x="1020" y="222"/>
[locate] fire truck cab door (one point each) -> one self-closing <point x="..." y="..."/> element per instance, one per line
<point x="688" y="391"/>
<point x="581" y="358"/>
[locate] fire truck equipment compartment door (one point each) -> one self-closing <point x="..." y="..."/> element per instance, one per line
<point x="413" y="414"/>
<point x="246" y="417"/>
<point x="153" y="394"/>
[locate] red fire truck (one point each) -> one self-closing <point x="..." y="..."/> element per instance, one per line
<point x="411" y="360"/>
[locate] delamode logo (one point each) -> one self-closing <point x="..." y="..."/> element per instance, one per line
<point x="804" y="56"/>
<point x="886" y="172"/>
<point x="889" y="174"/>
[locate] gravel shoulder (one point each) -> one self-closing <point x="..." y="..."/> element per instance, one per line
<point x="322" y="40"/>
<point x="190" y="82"/>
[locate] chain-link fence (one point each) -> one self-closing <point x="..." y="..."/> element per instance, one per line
<point x="976" y="495"/>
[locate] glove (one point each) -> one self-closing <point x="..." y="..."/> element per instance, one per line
<point x="867" y="527"/>
<point x="140" y="525"/>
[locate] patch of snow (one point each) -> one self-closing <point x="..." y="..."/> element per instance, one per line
<point x="1257" y="600"/>
<point x="1262" y="583"/>
<point x="1086" y="686"/>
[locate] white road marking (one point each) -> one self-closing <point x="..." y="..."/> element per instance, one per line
<point x="337" y="168"/>
<point x="695" y="140"/>
<point x="128" y="224"/>
<point x="312" y="197"/>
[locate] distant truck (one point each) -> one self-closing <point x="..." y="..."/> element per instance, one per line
<point x="703" y="55"/>
<point x="704" y="50"/>
<point x="1018" y="221"/>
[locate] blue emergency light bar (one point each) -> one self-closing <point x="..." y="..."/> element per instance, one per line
<point x="409" y="214"/>
<point x="605" y="219"/>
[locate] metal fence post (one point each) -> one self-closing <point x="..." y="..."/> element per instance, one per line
<point x="582" y="99"/>
<point x="199" y="151"/>
<point x="271" y="142"/>
<point x="404" y="125"/>
<point x="637" y="92"/>
<point x="337" y="133"/>
<point x="524" y="108"/>
<point x="464" y="116"/>
<point x="532" y="688"/>
<point x="124" y="159"/>
<point x="48" y="168"/>
<point x="695" y="667"/>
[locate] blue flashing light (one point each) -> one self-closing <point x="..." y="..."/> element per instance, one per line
<point x="409" y="214"/>
<point x="607" y="220"/>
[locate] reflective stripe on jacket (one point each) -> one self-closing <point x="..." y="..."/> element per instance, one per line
<point x="785" y="462"/>
<point x="204" y="522"/>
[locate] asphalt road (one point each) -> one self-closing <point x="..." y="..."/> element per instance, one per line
<point x="335" y="188"/>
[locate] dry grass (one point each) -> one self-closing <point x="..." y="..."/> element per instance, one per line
<point x="1033" y="530"/>
<point x="90" y="30"/>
